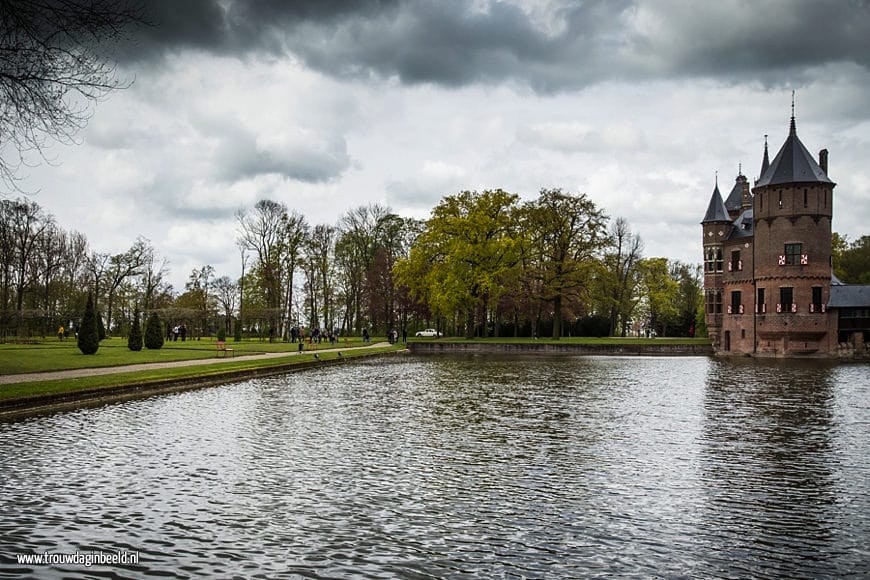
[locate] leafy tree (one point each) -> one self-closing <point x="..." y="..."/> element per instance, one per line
<point x="851" y="260"/>
<point x="89" y="334"/>
<point x="567" y="232"/>
<point x="154" y="332"/>
<point x="134" y="339"/>
<point x="459" y="261"/>
<point x="661" y="293"/>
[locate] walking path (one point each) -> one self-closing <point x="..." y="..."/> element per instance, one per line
<point x="89" y="372"/>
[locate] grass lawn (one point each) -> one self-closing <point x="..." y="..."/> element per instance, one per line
<point x="56" y="355"/>
<point x="14" y="391"/>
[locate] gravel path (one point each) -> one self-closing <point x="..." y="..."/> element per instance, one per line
<point x="77" y="373"/>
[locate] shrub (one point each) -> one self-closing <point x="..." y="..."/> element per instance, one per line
<point x="153" y="332"/>
<point x="237" y="331"/>
<point x="89" y="334"/>
<point x="134" y="340"/>
<point x="221" y="334"/>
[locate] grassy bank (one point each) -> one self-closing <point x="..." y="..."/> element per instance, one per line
<point x="45" y="389"/>
<point x="56" y="355"/>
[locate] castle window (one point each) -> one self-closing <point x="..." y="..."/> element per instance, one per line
<point x="760" y="307"/>
<point x="720" y="262"/>
<point x="816" y="305"/>
<point x="736" y="264"/>
<point x="780" y="200"/>
<point x="786" y="298"/>
<point x="793" y="254"/>
<point x="736" y="306"/>
<point x="805" y="198"/>
<point x="718" y="304"/>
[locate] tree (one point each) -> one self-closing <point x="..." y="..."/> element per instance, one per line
<point x="134" y="339"/>
<point x="54" y="67"/>
<point x="852" y="260"/>
<point x="567" y="232"/>
<point x="661" y="293"/>
<point x="460" y="260"/>
<point x="620" y="276"/>
<point x="154" y="332"/>
<point x="89" y="336"/>
<point x="262" y="232"/>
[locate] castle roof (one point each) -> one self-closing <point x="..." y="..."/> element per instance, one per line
<point x="793" y="164"/>
<point x="716" y="211"/>
<point x="743" y="226"/>
<point x="734" y="202"/>
<point x="849" y="296"/>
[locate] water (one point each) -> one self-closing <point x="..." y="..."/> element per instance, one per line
<point x="459" y="467"/>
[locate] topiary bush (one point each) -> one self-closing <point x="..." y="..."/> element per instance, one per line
<point x="134" y="339"/>
<point x="221" y="334"/>
<point x="89" y="334"/>
<point x="154" y="332"/>
<point x="237" y="331"/>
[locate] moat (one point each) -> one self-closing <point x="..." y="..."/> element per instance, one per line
<point x="459" y="466"/>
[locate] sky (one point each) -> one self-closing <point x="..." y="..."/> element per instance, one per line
<point x="327" y="105"/>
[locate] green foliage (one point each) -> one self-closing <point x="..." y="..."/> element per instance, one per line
<point x="89" y="334"/>
<point x="154" y="332"/>
<point x="461" y="260"/>
<point x="237" y="331"/>
<point x="566" y="234"/>
<point x="134" y="339"/>
<point x="221" y="334"/>
<point x="851" y="260"/>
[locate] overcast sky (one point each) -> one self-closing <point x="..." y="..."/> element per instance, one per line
<point x="328" y="105"/>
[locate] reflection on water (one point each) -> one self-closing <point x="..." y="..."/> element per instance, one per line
<point x="459" y="466"/>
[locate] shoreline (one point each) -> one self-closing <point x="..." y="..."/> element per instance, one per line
<point x="566" y="348"/>
<point x="21" y="407"/>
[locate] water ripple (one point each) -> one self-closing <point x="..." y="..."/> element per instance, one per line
<point x="459" y="467"/>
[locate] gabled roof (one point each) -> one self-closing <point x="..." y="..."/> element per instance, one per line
<point x="743" y="226"/>
<point x="849" y="296"/>
<point x="716" y="211"/>
<point x="793" y="164"/>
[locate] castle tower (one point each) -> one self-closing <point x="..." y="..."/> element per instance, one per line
<point x="792" y="207"/>
<point x="716" y="227"/>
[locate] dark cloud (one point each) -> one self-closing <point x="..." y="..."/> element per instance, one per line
<point x="563" y="46"/>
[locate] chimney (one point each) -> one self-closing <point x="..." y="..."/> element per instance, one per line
<point x="823" y="160"/>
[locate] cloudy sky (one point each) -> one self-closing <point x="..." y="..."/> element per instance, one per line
<point x="326" y="105"/>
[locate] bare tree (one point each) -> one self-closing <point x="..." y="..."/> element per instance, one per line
<point x="54" y="65"/>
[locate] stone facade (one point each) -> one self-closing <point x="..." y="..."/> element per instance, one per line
<point x="767" y="259"/>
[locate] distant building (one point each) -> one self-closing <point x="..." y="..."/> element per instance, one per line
<point x="768" y="283"/>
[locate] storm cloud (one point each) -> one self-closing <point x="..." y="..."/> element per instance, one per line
<point x="548" y="46"/>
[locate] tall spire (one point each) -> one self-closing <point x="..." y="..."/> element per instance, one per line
<point x="792" y="130"/>
<point x="765" y="162"/>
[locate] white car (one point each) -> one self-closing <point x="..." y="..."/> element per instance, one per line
<point x="428" y="332"/>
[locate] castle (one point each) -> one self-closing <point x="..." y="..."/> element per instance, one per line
<point x="768" y="283"/>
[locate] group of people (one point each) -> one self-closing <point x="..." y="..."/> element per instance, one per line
<point x="172" y="333"/>
<point x="316" y="336"/>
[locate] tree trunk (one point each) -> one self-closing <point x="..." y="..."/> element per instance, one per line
<point x="557" y="317"/>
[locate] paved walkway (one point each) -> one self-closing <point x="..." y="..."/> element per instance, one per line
<point x="89" y="372"/>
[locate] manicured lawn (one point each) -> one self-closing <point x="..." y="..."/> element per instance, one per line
<point x="18" y="390"/>
<point x="55" y="355"/>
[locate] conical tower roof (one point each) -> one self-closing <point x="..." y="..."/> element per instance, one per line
<point x="793" y="164"/>
<point x="716" y="211"/>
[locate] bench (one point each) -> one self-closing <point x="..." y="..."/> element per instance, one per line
<point x="223" y="348"/>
